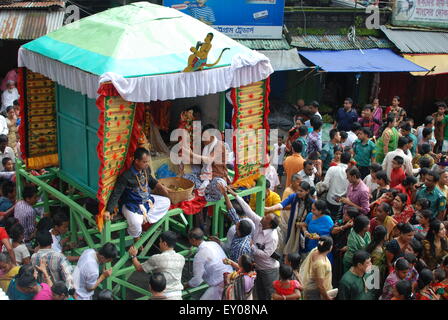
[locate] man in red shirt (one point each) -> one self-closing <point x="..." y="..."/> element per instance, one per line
<point x="397" y="175"/>
<point x="4" y="241"/>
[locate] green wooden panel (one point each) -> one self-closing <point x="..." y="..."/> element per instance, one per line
<point x="94" y="161"/>
<point x="72" y="150"/>
<point x="92" y="114"/>
<point x="71" y="104"/>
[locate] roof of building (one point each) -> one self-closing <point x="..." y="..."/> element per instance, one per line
<point x="31" y="4"/>
<point x="29" y="24"/>
<point x="416" y="41"/>
<point x="265" y="44"/>
<point x="339" y="42"/>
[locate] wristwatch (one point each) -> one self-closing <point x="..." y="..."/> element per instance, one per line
<point x="132" y="257"/>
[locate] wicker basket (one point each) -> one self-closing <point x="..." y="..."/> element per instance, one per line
<point x="178" y="196"/>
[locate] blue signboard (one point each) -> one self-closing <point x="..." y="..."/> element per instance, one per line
<point x="239" y="19"/>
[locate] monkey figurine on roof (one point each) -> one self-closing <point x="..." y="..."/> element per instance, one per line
<point x="198" y="60"/>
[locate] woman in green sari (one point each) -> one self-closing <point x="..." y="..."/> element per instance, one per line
<point x="358" y="239"/>
<point x="388" y="140"/>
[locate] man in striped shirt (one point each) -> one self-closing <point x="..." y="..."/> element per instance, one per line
<point x="58" y="266"/>
<point x="25" y="213"/>
<point x="201" y="12"/>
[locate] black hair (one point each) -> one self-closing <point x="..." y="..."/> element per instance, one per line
<point x="210" y="34"/>
<point x="428" y="120"/>
<point x="386" y="208"/>
<point x="427" y="213"/>
<point x="16" y="232"/>
<point x="338" y="148"/>
<point x="343" y="134"/>
<point x="440" y="104"/>
<point x="409" y="181"/>
<point x="324" y="244"/>
<point x="321" y="205"/>
<point x="416" y="246"/>
<point x="404" y="288"/>
<point x="275" y="221"/>
<point x="44" y="238"/>
<point x="439" y="275"/>
<point x="425" y="277"/>
<point x="44" y="224"/>
<point x="367" y="106"/>
<point x="26" y="280"/>
<point x="3" y="138"/>
<point x="5" y="160"/>
<point x="208" y="127"/>
<point x="108" y="251"/>
<point x="366" y="131"/>
<point x="314" y="104"/>
<point x="333" y="133"/>
<point x="403" y="197"/>
<point x="245" y="228"/>
<point x="247" y="262"/>
<point x="307" y="187"/>
<point x="9" y="222"/>
<point x="425" y="148"/>
<point x="424" y="203"/>
<point x="360" y="223"/>
<point x="350" y="100"/>
<point x="360" y="256"/>
<point x="424" y="164"/>
<point x="354" y="172"/>
<point x="9" y="108"/>
<point x="8" y="187"/>
<point x="60" y="288"/>
<point x="402" y="141"/>
<point x="356" y="126"/>
<point x="410" y="257"/>
<point x="396" y="97"/>
<point x="353" y="212"/>
<point x="169" y="237"/>
<point x="285" y="272"/>
<point x="434" y="174"/>
<point x="375" y="167"/>
<point x="378" y="235"/>
<point x="401" y="264"/>
<point x="346" y="157"/>
<point x="294" y="259"/>
<point x="399" y="160"/>
<point x="303" y="131"/>
<point x="139" y="152"/>
<point x="157" y="281"/>
<point x="382" y="175"/>
<point x="313" y="155"/>
<point x="105" y="294"/>
<point x="445" y="261"/>
<point x="426" y="132"/>
<point x="29" y="191"/>
<point x="308" y="163"/>
<point x="389" y="119"/>
<point x="16" y="103"/>
<point x="406" y="126"/>
<point x="316" y="123"/>
<point x="405" y="228"/>
<point x="60" y="217"/>
<point x="434" y="228"/>
<point x="297" y="146"/>
<point x="196" y="234"/>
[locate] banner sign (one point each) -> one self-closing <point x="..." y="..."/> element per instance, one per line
<point x="429" y="13"/>
<point x="238" y="19"/>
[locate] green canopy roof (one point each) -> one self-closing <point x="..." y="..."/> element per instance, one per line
<point x="132" y="41"/>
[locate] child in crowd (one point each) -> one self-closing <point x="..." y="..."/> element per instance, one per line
<point x="403" y="291"/>
<point x="17" y="234"/>
<point x="293" y="260"/>
<point x="371" y="178"/>
<point x="8" y="165"/>
<point x="337" y="155"/>
<point x="244" y="276"/>
<point x="382" y="181"/>
<point x="397" y="174"/>
<point x="285" y="288"/>
<point x="61" y="292"/>
<point x="157" y="284"/>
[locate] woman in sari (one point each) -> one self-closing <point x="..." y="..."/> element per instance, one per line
<point x="435" y="245"/>
<point x="425" y="290"/>
<point x="318" y="223"/>
<point x="395" y="108"/>
<point x="389" y="138"/>
<point x="402" y="212"/>
<point x="315" y="272"/>
<point x="383" y="218"/>
<point x="377" y="114"/>
<point x="376" y="250"/>
<point x="300" y="203"/>
<point x="238" y="285"/>
<point x="358" y="239"/>
<point x="396" y="248"/>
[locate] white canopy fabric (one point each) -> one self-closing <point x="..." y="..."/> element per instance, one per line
<point x="283" y="60"/>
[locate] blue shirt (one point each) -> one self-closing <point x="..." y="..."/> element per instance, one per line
<point x="5" y="204"/>
<point x="414" y="144"/>
<point x="202" y="13"/>
<point x="322" y="226"/>
<point x="14" y="294"/>
<point x="305" y="147"/>
<point x="134" y="195"/>
<point x="345" y="119"/>
<point x="239" y="245"/>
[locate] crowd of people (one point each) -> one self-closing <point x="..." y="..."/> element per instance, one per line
<point x="359" y="217"/>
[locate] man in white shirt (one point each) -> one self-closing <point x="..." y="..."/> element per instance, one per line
<point x="278" y="155"/>
<point x="308" y="173"/>
<point x="403" y="146"/>
<point x="265" y="241"/>
<point x="169" y="263"/>
<point x="351" y="135"/>
<point x="86" y="275"/>
<point x="5" y="151"/>
<point x="9" y="95"/>
<point x="208" y="266"/>
<point x="314" y="111"/>
<point x="336" y="183"/>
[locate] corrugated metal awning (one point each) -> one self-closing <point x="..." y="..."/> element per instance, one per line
<point x="339" y="42"/>
<point x="32" y="4"/>
<point x="265" y="44"/>
<point x="29" y="24"/>
<point x="414" y="41"/>
<point x="283" y="60"/>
